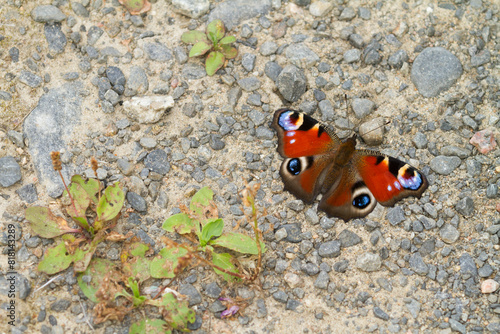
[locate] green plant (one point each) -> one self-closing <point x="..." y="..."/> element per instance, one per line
<point x="79" y="244"/>
<point x="201" y="225"/>
<point x="214" y="41"/>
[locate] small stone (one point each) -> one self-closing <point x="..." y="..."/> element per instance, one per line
<point x="465" y="206"/>
<point x="418" y="265"/>
<point x="341" y="266"/>
<point x="484" y="141"/>
<point x="272" y="70"/>
<point x="322" y="280"/>
<point x="362" y="107"/>
<point x="292" y="83"/>
<point x="248" y="61"/>
<point x="27" y="193"/>
<point x="147" y="109"/>
<point x="444" y="165"/>
<point x="347" y="14"/>
<point x="10" y="172"/>
<point x="489" y="286"/>
<point x="369" y="262"/>
<point x="191" y="8"/>
<point x="30" y="79"/>
<point x="456" y="326"/>
<point x="213" y="290"/>
<point x="397" y="59"/>
<point x="379" y="313"/>
<point x="157" y="161"/>
<point x="348" y="238"/>
<point x="301" y="56"/>
<point x="60" y="305"/>
<point x="372" y="132"/>
<point x="249" y="84"/>
<point x="352" y="56"/>
<point x="480" y="58"/>
<point x="148" y="142"/>
<point x="329" y="249"/>
<point x="94" y="34"/>
<point x="268" y="48"/>
<point x="137" y="202"/>
<point x="435" y="70"/>
<point x="420" y="140"/>
<point x="320" y="8"/>
<point x="47" y="13"/>
<point x="449" y="233"/>
<point x="193" y="294"/>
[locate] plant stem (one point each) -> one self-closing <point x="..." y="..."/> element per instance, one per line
<point x="67" y="190"/>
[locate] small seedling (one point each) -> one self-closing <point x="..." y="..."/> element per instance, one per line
<point x="136" y="7"/>
<point x="79" y="244"/>
<point x="201" y="225"/>
<point x="214" y="41"/>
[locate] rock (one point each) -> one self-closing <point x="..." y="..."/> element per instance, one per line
<point x="348" y="238"/>
<point x="457" y="326"/>
<point x="449" y="233"/>
<point x="147" y="109"/>
<point x="444" y="165"/>
<point x="352" y="56"/>
<point x="60" y="305"/>
<point x="137" y="202"/>
<point x="292" y="83"/>
<point x="115" y="76"/>
<point x="157" y="161"/>
<point x="362" y="107"/>
<point x="137" y="82"/>
<point x="301" y="56"/>
<point x="79" y="9"/>
<point x="27" y="193"/>
<point x="329" y="249"/>
<point x="193" y="71"/>
<point x="414" y="307"/>
<point x="55" y="37"/>
<point x="372" y="132"/>
<point x="435" y="70"/>
<point x="320" y="8"/>
<point x="489" y="286"/>
<point x="266" y="49"/>
<point x="379" y="313"/>
<point x="397" y="59"/>
<point x="48" y="127"/>
<point x="94" y="34"/>
<point x="369" y="262"/>
<point x="10" y="172"/>
<point x="157" y="52"/>
<point x="47" y="14"/>
<point x="465" y="206"/>
<point x="272" y="70"/>
<point x="193" y="294"/>
<point x="480" y="58"/>
<point x="322" y="280"/>
<point x="233" y="12"/>
<point x="418" y="265"/>
<point x="191" y="8"/>
<point x="484" y="141"/>
<point x="395" y="215"/>
<point x="248" y="61"/>
<point x="30" y="79"/>
<point x="249" y="84"/>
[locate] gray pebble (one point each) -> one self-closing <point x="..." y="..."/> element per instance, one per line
<point x="94" y="34"/>
<point x="193" y="294"/>
<point x="137" y="82"/>
<point x="157" y="161"/>
<point x="397" y="59"/>
<point x="115" y="76"/>
<point x="212" y="290"/>
<point x="449" y="233"/>
<point x="30" y="79"/>
<point x="329" y="249"/>
<point x="148" y="142"/>
<point x="379" y="313"/>
<point x="362" y="107"/>
<point x="348" y="238"/>
<point x="272" y="70"/>
<point x="444" y="165"/>
<point x="249" y="84"/>
<point x="27" y="192"/>
<point x="480" y="58"/>
<point x="137" y="202"/>
<point x="47" y="13"/>
<point x="465" y="206"/>
<point x="268" y="48"/>
<point x="10" y="172"/>
<point x="293" y="233"/>
<point x="369" y="262"/>
<point x="352" y="56"/>
<point x="158" y="52"/>
<point x="322" y="280"/>
<point x="341" y="266"/>
<point x="248" y="61"/>
<point x="60" y="305"/>
<point x="79" y="9"/>
<point x="280" y="296"/>
<point x="193" y="71"/>
<point x="418" y="265"/>
<point x="435" y="70"/>
<point x="492" y="191"/>
<point x="301" y="56"/>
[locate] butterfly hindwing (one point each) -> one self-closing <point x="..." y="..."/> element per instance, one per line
<point x="389" y="179"/>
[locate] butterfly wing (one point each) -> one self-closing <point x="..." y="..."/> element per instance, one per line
<point x="307" y="147"/>
<point x="389" y="179"/>
<point x="369" y="178"/>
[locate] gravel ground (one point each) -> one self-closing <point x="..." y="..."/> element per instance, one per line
<point x="72" y="71"/>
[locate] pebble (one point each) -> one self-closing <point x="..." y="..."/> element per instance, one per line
<point x="379" y="313"/>
<point x="10" y="171"/>
<point x="369" y="262"/>
<point x="329" y="249"/>
<point x="137" y="82"/>
<point x="352" y="56"/>
<point x="30" y="79"/>
<point x="193" y="71"/>
<point x="147" y="109"/>
<point x="272" y="70"/>
<point x="465" y="206"/>
<point x="484" y="141"/>
<point x="444" y="165"/>
<point x="301" y="56"/>
<point x="193" y="294"/>
<point x="418" y="265"/>
<point x="292" y="83"/>
<point x="362" y="107"/>
<point x="157" y="161"/>
<point x="322" y="280"/>
<point x="47" y="14"/>
<point x="249" y="84"/>
<point x="268" y="48"/>
<point x="449" y="233"/>
<point x="320" y="8"/>
<point x="60" y="305"/>
<point x="435" y="70"/>
<point x="94" y="34"/>
<point x="489" y="286"/>
<point x="348" y="239"/>
<point x="27" y="192"/>
<point x="248" y="61"/>
<point x="233" y="12"/>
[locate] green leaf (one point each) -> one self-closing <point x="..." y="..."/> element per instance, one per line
<point x="199" y="49"/>
<point x="91" y="186"/>
<point x="88" y="251"/>
<point x="182" y="224"/>
<point x="137" y="299"/>
<point x="223" y="260"/>
<point x="138" y="249"/>
<point x="200" y="200"/>
<point x="137" y="266"/>
<point x="163" y="265"/>
<point x="97" y="269"/>
<point x="229" y="51"/>
<point x="227" y="40"/>
<point x="238" y="242"/>
<point x="214" y="61"/>
<point x="82" y="221"/>
<point x="57" y="259"/>
<point x="213" y="228"/>
<point x="216" y="29"/>
<point x="194" y="36"/>
<point x="81" y="199"/>
<point x="111" y="203"/>
<point x="178" y="312"/>
<point x="150" y="326"/>
<point x="44" y="223"/>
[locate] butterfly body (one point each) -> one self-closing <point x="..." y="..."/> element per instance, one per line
<point x="352" y="181"/>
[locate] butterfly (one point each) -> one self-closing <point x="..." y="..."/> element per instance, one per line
<point x="351" y="180"/>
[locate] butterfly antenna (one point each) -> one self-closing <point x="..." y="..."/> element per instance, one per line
<point x="378" y="127"/>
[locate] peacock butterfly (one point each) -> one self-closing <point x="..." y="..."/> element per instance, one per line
<point x="352" y="181"/>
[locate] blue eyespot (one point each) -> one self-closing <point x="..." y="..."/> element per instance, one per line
<point x="294" y="166"/>
<point x="361" y="201"/>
